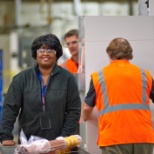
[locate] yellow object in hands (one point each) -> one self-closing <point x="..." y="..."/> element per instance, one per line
<point x="60" y="152"/>
<point x="71" y="141"/>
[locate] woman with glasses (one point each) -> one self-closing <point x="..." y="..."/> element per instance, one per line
<point x="46" y="96"/>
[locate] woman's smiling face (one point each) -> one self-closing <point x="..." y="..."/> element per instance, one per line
<point x="46" y="57"/>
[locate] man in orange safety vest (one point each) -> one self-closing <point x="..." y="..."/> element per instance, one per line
<point x="121" y="92"/>
<point x="71" y="40"/>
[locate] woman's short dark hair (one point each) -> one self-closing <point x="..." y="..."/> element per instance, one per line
<point x="51" y="41"/>
<point x="119" y="48"/>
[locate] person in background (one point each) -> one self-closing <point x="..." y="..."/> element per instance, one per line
<point x="43" y="94"/>
<point x="71" y="40"/>
<point x="72" y="64"/>
<point x="121" y="92"/>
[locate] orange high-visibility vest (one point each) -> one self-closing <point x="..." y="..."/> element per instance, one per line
<point x="70" y="65"/>
<point x="122" y="99"/>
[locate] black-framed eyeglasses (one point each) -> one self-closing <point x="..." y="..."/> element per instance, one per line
<point x="46" y="50"/>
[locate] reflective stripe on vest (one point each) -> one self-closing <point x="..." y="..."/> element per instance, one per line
<point x="107" y="108"/>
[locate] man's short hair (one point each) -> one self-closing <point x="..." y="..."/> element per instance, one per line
<point x="70" y="33"/>
<point x="119" y="48"/>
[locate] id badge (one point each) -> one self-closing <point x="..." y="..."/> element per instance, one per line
<point x="45" y="122"/>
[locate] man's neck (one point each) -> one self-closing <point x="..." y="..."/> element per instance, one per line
<point x="75" y="58"/>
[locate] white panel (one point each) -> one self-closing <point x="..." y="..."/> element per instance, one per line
<point x="132" y="28"/>
<point x="92" y="135"/>
<point x="143" y="52"/>
<point x="95" y="58"/>
<point x="99" y="31"/>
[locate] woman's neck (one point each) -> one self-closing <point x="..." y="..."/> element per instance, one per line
<point x="45" y="71"/>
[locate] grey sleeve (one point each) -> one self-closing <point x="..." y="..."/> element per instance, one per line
<point x="152" y="91"/>
<point x="91" y="95"/>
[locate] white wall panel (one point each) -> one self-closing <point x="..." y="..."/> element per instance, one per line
<point x="99" y="31"/>
<point x="143" y="52"/>
<point x="132" y="28"/>
<point x="95" y="57"/>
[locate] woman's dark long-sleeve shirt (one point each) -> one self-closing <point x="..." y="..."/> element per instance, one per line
<point x="24" y="94"/>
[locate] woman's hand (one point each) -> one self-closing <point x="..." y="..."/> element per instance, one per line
<point x="8" y="143"/>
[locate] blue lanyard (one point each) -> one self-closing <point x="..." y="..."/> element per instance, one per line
<point x="43" y="89"/>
